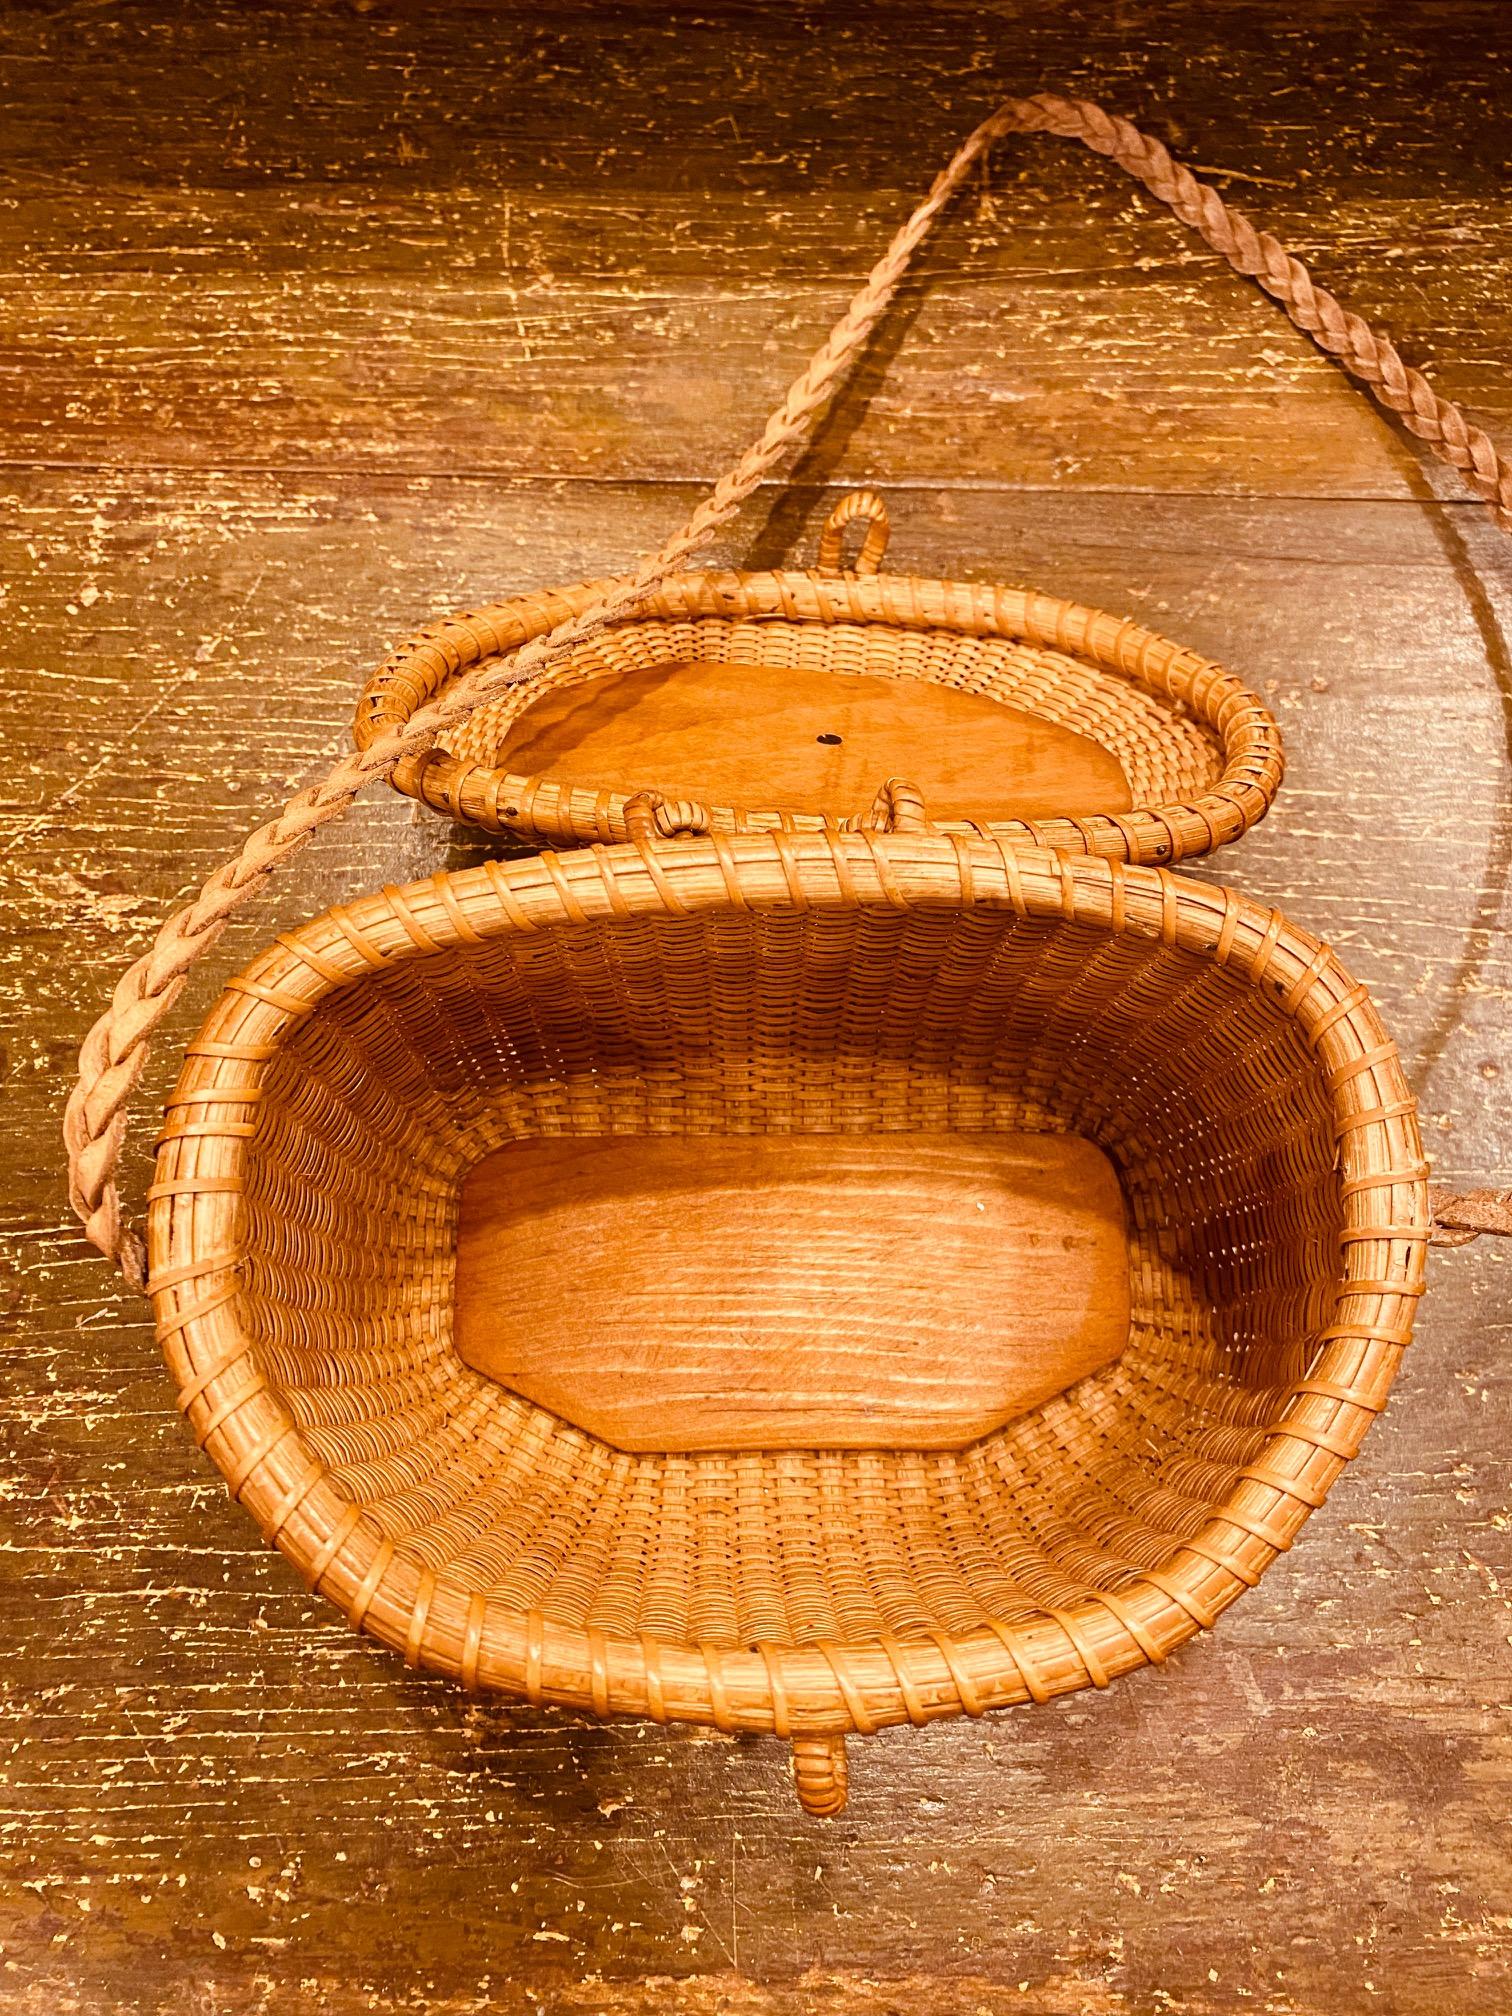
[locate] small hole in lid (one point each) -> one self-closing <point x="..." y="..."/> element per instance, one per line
<point x="829" y="741"/>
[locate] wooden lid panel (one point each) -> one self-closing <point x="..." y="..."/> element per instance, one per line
<point x="813" y="741"/>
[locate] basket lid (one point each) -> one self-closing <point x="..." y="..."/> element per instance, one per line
<point x="735" y="701"/>
<point x="751" y="701"/>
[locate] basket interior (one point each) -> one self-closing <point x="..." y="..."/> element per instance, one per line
<point x="733" y="1025"/>
<point x="814" y="716"/>
<point x="780" y="1290"/>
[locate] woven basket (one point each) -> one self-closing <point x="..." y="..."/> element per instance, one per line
<point x="825" y="1270"/>
<point x="902" y="992"/>
<point x="1079" y="730"/>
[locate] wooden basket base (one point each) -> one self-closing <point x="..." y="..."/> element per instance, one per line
<point x="775" y="1291"/>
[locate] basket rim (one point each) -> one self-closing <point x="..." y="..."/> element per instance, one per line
<point x="440" y="1625"/>
<point x="1117" y="647"/>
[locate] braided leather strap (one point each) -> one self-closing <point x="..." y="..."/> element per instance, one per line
<point x="116" y="1048"/>
<point x="1364" y="352"/>
<point x="1459" y="1219"/>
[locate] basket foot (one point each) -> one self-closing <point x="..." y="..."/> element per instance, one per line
<point x="819" y="1774"/>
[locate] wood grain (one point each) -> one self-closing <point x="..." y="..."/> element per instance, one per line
<point x="767" y="1293"/>
<point x="297" y="303"/>
<point x="384" y="251"/>
<point x="812" y="741"/>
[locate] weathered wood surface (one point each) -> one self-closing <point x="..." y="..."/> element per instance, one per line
<point x="319" y="320"/>
<point x="447" y="241"/>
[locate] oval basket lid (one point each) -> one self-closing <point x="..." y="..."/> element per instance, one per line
<point x="750" y="701"/>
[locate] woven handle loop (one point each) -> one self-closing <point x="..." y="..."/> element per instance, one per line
<point x="869" y="507"/>
<point x="116" y="1049"/>
<point x="897" y="808"/>
<point x="649" y="817"/>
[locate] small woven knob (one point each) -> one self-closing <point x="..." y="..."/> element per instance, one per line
<point x="898" y="808"/>
<point x="856" y="504"/>
<point x="649" y="816"/>
<point x="820" y="1775"/>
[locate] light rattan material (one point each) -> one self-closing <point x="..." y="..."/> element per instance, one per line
<point x="303" y="1222"/>
<point x="303" y="1215"/>
<point x="1200" y="751"/>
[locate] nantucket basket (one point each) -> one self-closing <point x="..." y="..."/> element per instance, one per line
<point x="748" y="701"/>
<point x="791" y="1264"/>
<point x="982" y="1262"/>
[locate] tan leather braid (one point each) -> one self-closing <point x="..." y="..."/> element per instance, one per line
<point x="1364" y="352"/>
<point x="1457" y="1219"/>
<point x="116" y="1048"/>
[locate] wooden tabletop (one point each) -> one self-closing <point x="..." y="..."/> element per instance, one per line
<point x="317" y="320"/>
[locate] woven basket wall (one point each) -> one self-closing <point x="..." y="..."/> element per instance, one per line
<point x="304" y="1218"/>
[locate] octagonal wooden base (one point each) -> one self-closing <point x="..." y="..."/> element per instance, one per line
<point x="792" y="1290"/>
